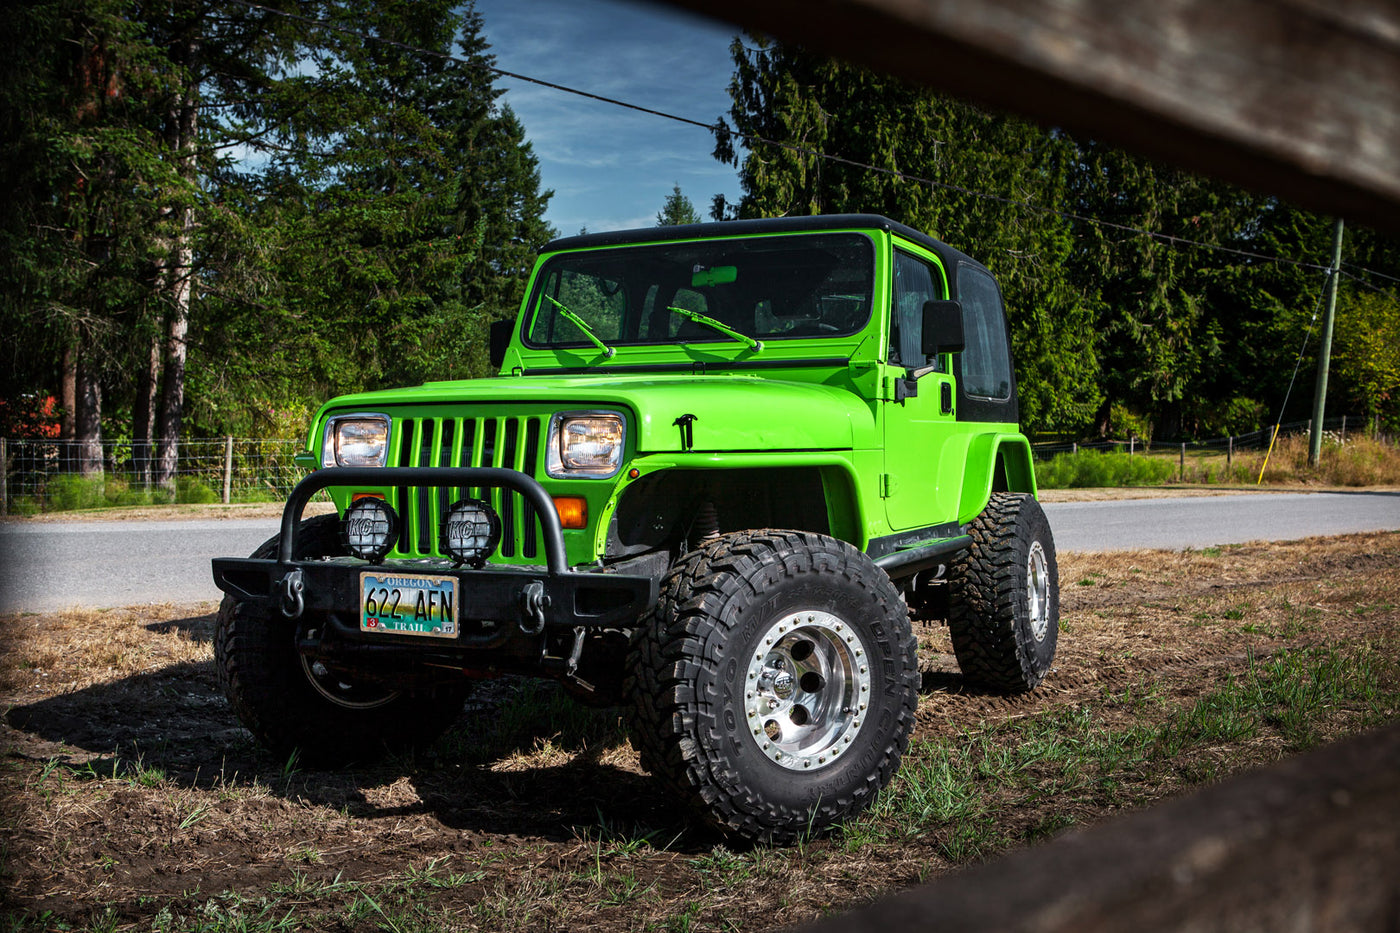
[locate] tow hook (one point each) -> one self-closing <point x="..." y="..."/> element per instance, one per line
<point x="533" y="603"/>
<point x="292" y="586"/>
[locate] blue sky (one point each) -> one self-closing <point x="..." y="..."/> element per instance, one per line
<point x="612" y="168"/>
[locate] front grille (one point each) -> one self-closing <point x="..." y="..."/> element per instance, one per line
<point x="511" y="442"/>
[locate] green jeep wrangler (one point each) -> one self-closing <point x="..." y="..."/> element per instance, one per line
<point x="718" y="465"/>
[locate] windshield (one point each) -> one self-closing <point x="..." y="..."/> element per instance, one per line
<point x="754" y="289"/>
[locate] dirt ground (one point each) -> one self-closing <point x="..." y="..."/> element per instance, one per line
<point x="131" y="790"/>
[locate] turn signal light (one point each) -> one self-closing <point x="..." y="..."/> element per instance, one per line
<point x="573" y="511"/>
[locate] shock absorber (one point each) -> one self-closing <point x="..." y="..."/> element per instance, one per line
<point x="705" y="527"/>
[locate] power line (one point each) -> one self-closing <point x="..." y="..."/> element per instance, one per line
<point x="750" y="139"/>
<point x="1379" y="275"/>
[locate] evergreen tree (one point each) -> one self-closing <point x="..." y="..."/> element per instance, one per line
<point x="89" y="196"/>
<point x="1113" y="331"/>
<point x="677" y="210"/>
<point x="400" y="220"/>
<point x="306" y="209"/>
<point x="816" y="105"/>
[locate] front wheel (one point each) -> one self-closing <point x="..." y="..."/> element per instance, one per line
<point x="293" y="704"/>
<point x="773" y="687"/>
<point x="1004" y="596"/>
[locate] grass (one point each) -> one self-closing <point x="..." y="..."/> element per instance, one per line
<point x="964" y="791"/>
<point x="72" y="493"/>
<point x="1358" y="462"/>
<point x="1175" y="669"/>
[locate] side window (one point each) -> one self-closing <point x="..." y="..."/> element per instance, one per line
<point x="913" y="285"/>
<point x="986" y="366"/>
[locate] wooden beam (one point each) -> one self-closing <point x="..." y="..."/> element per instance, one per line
<point x="1311" y="843"/>
<point x="1300" y="98"/>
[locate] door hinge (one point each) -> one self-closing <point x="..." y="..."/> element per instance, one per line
<point x="888" y="485"/>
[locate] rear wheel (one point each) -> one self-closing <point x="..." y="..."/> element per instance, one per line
<point x="773" y="687"/>
<point x="292" y="703"/>
<point x="1004" y="596"/>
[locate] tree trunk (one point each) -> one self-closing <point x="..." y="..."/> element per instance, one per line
<point x="88" y="422"/>
<point x="144" y="416"/>
<point x="68" y="421"/>
<point x="181" y="128"/>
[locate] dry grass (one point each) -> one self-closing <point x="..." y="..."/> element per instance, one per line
<point x="1359" y="462"/>
<point x="136" y="803"/>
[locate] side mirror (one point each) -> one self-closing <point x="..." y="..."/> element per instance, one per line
<point x="500" y="340"/>
<point x="943" y="327"/>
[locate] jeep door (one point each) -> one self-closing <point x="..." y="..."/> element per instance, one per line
<point x="922" y="482"/>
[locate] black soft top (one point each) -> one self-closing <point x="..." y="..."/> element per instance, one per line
<point x="728" y="228"/>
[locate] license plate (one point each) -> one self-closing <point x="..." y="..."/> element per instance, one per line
<point x="408" y="604"/>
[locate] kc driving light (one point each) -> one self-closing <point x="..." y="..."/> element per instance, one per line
<point x="471" y="532"/>
<point x="585" y="444"/>
<point x="355" y="441"/>
<point x="370" y="529"/>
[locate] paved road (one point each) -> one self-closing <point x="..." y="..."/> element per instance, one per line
<point x="56" y="565"/>
<point x="1210" y="520"/>
<point x="101" y="564"/>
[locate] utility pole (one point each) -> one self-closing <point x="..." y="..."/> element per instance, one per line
<point x="1324" y="353"/>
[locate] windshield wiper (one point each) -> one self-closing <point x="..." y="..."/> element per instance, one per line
<point x="725" y="329"/>
<point x="582" y="325"/>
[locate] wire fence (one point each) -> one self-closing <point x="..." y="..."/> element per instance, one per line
<point x="52" y="475"/>
<point x="1340" y="427"/>
<point x="49" y="475"/>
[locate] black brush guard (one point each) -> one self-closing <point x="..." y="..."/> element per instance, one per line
<point x="513" y="618"/>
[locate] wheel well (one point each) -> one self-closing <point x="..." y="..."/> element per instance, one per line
<point x="1014" y="473"/>
<point x="668" y="508"/>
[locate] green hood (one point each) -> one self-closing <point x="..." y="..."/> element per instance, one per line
<point x="732" y="412"/>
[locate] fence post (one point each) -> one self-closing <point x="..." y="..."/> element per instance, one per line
<point x="1132" y="444"/>
<point x="1230" y="452"/>
<point x="1182" y="476"/>
<point x="1074" y="447"/>
<point x="228" y="467"/>
<point x="1344" y="429"/>
<point x="4" y="479"/>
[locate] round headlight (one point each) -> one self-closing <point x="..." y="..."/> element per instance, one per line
<point x="370" y="529"/>
<point x="471" y="531"/>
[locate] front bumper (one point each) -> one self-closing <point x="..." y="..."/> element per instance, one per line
<point x="510" y="617"/>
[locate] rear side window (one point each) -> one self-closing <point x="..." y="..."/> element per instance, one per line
<point x="986" y="364"/>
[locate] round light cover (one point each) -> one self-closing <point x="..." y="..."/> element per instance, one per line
<point x="370" y="529"/>
<point x="471" y="531"/>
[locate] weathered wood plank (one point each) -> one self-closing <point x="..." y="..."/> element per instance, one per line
<point x="1310" y="844"/>
<point x="1297" y="97"/>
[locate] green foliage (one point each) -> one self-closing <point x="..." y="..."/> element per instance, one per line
<point x="1095" y="468"/>
<point x="391" y="228"/>
<point x="1366" y="353"/>
<point x="384" y="207"/>
<point x="1104" y="319"/>
<point x="677" y="210"/>
<point x="192" y="491"/>
<point x="68" y="492"/>
<point x="791" y="96"/>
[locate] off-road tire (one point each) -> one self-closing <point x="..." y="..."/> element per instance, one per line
<point x="273" y="694"/>
<point x="828" y="611"/>
<point x="1004" y="596"/>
